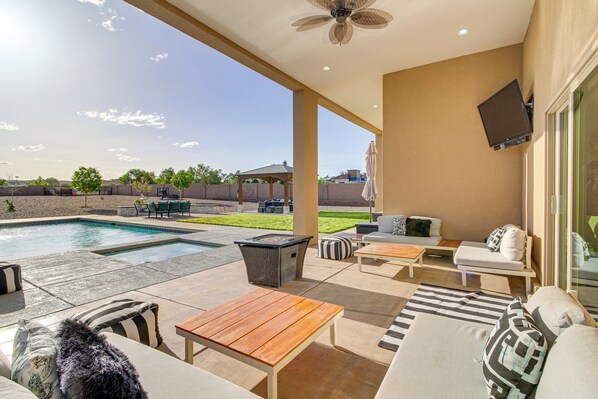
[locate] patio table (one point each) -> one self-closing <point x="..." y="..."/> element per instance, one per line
<point x="265" y="329"/>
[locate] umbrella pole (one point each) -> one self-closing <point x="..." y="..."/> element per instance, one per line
<point x="370" y="211"/>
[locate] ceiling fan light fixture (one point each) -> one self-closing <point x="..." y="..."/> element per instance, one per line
<point x="463" y="32"/>
<point x="344" y="14"/>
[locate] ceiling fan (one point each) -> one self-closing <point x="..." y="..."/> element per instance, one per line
<point x="346" y="13"/>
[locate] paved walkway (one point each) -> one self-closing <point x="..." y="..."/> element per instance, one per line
<point x="354" y="369"/>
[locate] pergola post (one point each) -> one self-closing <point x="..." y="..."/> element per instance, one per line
<point x="271" y="196"/>
<point x="240" y="206"/>
<point x="305" y="163"/>
<point x="286" y="195"/>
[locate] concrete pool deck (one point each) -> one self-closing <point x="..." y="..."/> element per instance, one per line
<point x="353" y="370"/>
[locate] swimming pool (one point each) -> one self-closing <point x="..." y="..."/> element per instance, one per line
<point x="159" y="252"/>
<point x="33" y="240"/>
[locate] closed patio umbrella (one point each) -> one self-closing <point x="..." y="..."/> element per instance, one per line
<point x="369" y="190"/>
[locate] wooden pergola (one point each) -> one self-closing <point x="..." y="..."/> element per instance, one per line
<point x="270" y="174"/>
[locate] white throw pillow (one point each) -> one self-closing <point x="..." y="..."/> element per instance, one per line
<point x="386" y="223"/>
<point x="512" y="245"/>
<point x="434" y="227"/>
<point x="554" y="311"/>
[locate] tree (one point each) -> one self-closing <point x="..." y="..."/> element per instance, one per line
<point x="3" y="182"/>
<point x="231" y="178"/>
<point x="137" y="175"/>
<point x="284" y="163"/>
<point x="165" y="176"/>
<point x="53" y="182"/>
<point x="143" y="187"/>
<point x="182" y="179"/>
<point x="40" y="181"/>
<point x="86" y="180"/>
<point x="204" y="174"/>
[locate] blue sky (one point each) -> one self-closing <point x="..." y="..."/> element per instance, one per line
<point x="100" y="83"/>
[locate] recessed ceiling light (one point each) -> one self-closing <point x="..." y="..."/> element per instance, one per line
<point x="463" y="32"/>
<point x="326" y="68"/>
<point x="375" y="105"/>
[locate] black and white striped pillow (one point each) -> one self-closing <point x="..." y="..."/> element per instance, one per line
<point x="493" y="242"/>
<point x="10" y="278"/>
<point x="336" y="248"/>
<point x="514" y="354"/>
<point x="132" y="319"/>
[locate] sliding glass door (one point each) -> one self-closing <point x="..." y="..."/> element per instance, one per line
<point x="584" y="210"/>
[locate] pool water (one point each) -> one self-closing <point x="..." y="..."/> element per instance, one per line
<point x="34" y="240"/>
<point x="156" y="253"/>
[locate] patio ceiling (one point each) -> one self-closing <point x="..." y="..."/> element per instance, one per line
<point x="422" y="32"/>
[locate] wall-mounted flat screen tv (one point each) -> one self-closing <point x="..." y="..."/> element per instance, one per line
<point x="506" y="118"/>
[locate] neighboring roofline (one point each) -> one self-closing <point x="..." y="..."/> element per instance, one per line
<point x="168" y="13"/>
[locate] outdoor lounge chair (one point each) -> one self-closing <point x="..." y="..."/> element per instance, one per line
<point x="162" y="208"/>
<point x="142" y="209"/>
<point x="173" y="207"/>
<point x="185" y="207"/>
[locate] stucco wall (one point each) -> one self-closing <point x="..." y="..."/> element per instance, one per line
<point x="559" y="34"/>
<point x="437" y="161"/>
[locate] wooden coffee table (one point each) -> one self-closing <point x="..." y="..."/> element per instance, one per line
<point x="265" y="329"/>
<point x="392" y="253"/>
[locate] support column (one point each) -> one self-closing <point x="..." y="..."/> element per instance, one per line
<point x="271" y="192"/>
<point x="305" y="163"/>
<point x="286" y="196"/>
<point x="380" y="173"/>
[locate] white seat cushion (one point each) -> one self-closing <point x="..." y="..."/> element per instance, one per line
<point x="166" y="377"/>
<point x="440" y="358"/>
<point x="389" y="237"/>
<point x="477" y="254"/>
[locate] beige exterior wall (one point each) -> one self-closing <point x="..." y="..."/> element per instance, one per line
<point x="559" y="35"/>
<point x="436" y="157"/>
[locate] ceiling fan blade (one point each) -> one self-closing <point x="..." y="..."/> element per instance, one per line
<point x="358" y="4"/>
<point x="327" y="5"/>
<point x="340" y="33"/>
<point x="371" y="18"/>
<point x="312" y="22"/>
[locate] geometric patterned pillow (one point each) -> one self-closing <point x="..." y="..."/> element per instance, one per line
<point x="514" y="354"/>
<point x="493" y="242"/>
<point x="399" y="226"/>
<point x="135" y="320"/>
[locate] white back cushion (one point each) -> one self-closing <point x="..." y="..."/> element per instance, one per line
<point x="512" y="245"/>
<point x="434" y="227"/>
<point x="571" y="366"/>
<point x="385" y="223"/>
<point x="554" y="311"/>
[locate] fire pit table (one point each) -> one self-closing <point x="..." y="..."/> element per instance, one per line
<point x="274" y="259"/>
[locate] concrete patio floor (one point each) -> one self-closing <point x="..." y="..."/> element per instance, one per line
<point x="354" y="369"/>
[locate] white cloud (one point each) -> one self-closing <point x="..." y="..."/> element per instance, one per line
<point x="8" y="126"/>
<point x="118" y="149"/>
<point x="159" y="57"/>
<point x="108" y="20"/>
<point x="5" y="163"/>
<point x="98" y="3"/>
<point x="188" y="144"/>
<point x="127" y="118"/>
<point x="31" y="148"/>
<point x="127" y="158"/>
<point x="159" y="137"/>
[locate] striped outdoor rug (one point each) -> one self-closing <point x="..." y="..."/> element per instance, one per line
<point x="457" y="304"/>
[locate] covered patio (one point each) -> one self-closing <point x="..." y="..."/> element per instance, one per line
<point x="270" y="174"/>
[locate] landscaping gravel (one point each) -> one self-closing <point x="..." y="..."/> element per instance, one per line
<point x="48" y="206"/>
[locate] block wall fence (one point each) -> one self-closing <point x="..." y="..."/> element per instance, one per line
<point x="328" y="194"/>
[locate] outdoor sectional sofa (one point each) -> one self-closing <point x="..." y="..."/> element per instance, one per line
<point x="162" y="376"/>
<point x="385" y="228"/>
<point x="441" y="357"/>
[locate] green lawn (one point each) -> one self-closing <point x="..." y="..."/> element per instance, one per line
<point x="328" y="221"/>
